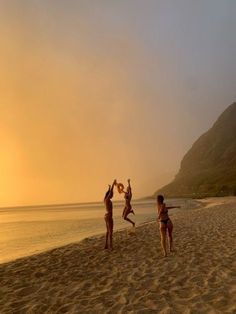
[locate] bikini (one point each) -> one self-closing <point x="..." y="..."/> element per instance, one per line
<point x="127" y="203"/>
<point x="165" y="221"/>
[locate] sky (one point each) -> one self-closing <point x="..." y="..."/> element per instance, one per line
<point x="91" y="91"/>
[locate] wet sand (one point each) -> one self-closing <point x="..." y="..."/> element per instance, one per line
<point x="199" y="277"/>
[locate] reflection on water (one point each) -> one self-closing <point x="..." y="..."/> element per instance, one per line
<point x="25" y="231"/>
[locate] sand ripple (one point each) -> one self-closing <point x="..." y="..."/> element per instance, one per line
<point x="199" y="277"/>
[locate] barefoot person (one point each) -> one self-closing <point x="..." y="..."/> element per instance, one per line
<point x="165" y="223"/>
<point x="128" y="208"/>
<point x="109" y="215"/>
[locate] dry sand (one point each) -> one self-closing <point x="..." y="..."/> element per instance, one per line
<point x="200" y="277"/>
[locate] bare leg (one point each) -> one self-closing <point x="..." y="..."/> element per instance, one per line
<point x="111" y="233"/>
<point x="129" y="220"/>
<point x="106" y="244"/>
<point x="170" y="238"/>
<point x="163" y="239"/>
<point x="107" y="233"/>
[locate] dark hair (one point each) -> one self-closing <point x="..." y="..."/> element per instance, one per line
<point x="160" y="199"/>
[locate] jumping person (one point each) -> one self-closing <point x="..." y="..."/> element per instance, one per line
<point x="165" y="224"/>
<point x="128" y="208"/>
<point x="109" y="216"/>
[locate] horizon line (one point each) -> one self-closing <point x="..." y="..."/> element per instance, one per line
<point x="66" y="204"/>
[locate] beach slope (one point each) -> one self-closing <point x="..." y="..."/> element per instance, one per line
<point x="199" y="277"/>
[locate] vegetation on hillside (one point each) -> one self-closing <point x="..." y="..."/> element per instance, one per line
<point x="209" y="167"/>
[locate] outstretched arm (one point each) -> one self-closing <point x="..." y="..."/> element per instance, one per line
<point x="107" y="193"/>
<point x="113" y="184"/>
<point x="129" y="190"/>
<point x="110" y="191"/>
<point x="170" y="207"/>
<point x="112" y="187"/>
<point x="129" y="183"/>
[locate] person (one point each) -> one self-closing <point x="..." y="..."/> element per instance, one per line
<point x="109" y="216"/>
<point x="165" y="224"/>
<point x="128" y="208"/>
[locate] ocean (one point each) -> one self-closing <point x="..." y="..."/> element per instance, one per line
<point x="25" y="231"/>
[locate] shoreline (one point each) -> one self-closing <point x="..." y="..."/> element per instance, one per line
<point x="190" y="203"/>
<point x="83" y="277"/>
<point x="76" y="204"/>
<point x="86" y="239"/>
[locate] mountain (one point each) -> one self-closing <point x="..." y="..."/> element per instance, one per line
<point x="209" y="167"/>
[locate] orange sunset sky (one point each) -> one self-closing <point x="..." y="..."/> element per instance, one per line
<point x="96" y="90"/>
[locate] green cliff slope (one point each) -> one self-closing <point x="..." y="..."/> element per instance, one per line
<point x="209" y="167"/>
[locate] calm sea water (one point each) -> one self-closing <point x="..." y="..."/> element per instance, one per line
<point x="30" y="230"/>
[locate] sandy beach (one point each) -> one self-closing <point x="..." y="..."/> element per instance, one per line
<point x="199" y="277"/>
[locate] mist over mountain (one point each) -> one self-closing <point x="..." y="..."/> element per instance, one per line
<point x="209" y="167"/>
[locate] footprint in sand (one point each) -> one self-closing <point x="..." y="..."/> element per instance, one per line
<point x="131" y="232"/>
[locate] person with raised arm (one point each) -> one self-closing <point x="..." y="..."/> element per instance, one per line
<point x="128" y="208"/>
<point x="165" y="224"/>
<point x="109" y="216"/>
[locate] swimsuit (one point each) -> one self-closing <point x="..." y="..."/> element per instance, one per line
<point x="128" y="207"/>
<point x="165" y="221"/>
